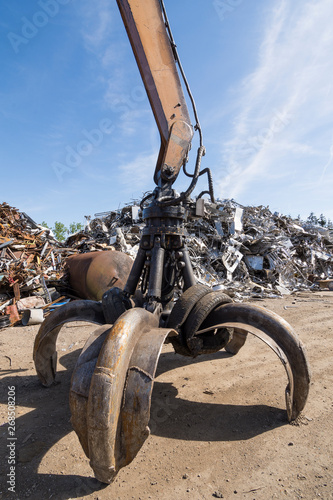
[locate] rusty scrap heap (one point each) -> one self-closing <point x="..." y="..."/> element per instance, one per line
<point x="248" y="251"/>
<point x="29" y="254"/>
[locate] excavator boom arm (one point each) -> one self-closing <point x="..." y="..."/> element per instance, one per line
<point x="151" y="46"/>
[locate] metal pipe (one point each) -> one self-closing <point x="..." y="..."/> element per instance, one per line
<point x="134" y="276"/>
<point x="156" y="270"/>
<point x="188" y="275"/>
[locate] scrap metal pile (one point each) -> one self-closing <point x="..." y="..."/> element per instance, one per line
<point x="29" y="257"/>
<point x="247" y="251"/>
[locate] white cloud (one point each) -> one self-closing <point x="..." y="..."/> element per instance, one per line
<point x="97" y="25"/>
<point x="137" y="175"/>
<point x="328" y="167"/>
<point x="124" y="94"/>
<point x="284" y="107"/>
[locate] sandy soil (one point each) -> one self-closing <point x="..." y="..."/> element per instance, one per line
<point x="219" y="427"/>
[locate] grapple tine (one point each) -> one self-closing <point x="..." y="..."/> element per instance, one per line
<point x="80" y="383"/>
<point x="280" y="336"/>
<point x="106" y="391"/>
<point x="110" y="396"/>
<point x="45" y="354"/>
<point x="135" y="412"/>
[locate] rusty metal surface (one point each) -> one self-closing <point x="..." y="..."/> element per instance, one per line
<point x="152" y="49"/>
<point x="138" y="389"/>
<point x="328" y="283"/>
<point x="237" y="341"/>
<point x="185" y="304"/>
<point x="13" y="314"/>
<point x="93" y="273"/>
<point x="111" y="390"/>
<point x="80" y="383"/>
<point x="45" y="354"/>
<point x="106" y="391"/>
<point x="280" y="336"/>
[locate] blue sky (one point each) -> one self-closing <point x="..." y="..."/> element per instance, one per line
<point x="78" y="135"/>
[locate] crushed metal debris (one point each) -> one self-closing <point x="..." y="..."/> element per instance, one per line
<point x="246" y="251"/>
<point x="249" y="252"/>
<point x="30" y="257"/>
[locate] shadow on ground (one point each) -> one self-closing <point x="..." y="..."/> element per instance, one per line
<point x="49" y="421"/>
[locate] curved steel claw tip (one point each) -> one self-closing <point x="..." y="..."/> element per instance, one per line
<point x="45" y="355"/>
<point x="111" y="390"/>
<point x="280" y="336"/>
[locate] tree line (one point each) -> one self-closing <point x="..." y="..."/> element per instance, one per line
<point x="61" y="232"/>
<point x="319" y="221"/>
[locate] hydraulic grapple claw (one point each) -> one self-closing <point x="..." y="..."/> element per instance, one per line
<point x="111" y="390"/>
<point x="113" y="379"/>
<point x="100" y="313"/>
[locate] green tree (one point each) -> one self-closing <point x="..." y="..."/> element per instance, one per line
<point x="44" y="224"/>
<point x="75" y="227"/>
<point x="60" y="230"/>
<point x="322" y="220"/>
<point x="312" y="219"/>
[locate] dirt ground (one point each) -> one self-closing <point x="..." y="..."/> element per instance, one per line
<point x="219" y="426"/>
